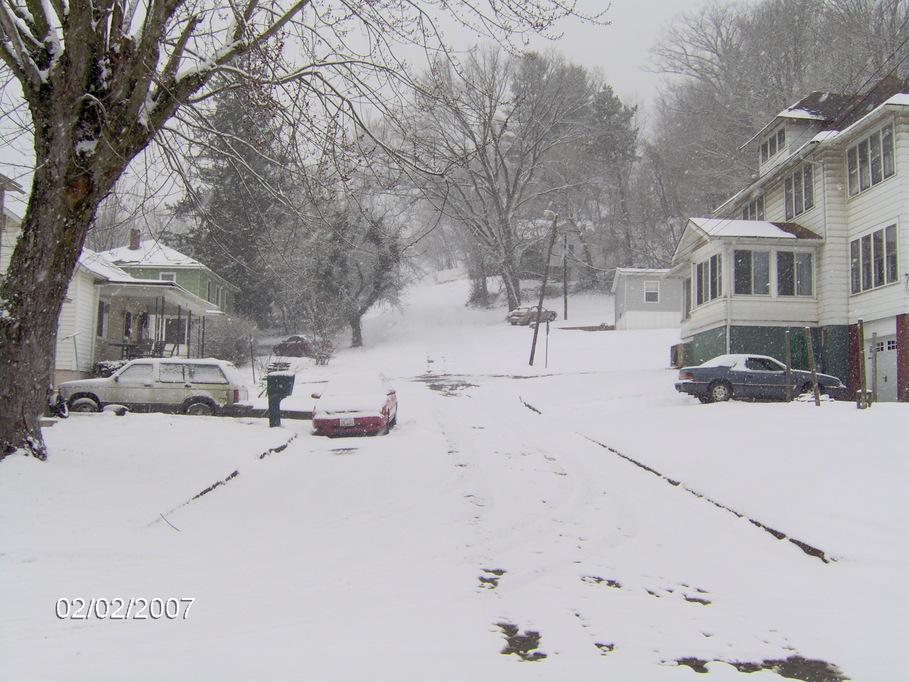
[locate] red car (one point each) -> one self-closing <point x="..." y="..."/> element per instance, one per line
<point x="364" y="406"/>
<point x="294" y="347"/>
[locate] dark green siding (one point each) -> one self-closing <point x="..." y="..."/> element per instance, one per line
<point x="705" y="345"/>
<point x="830" y="344"/>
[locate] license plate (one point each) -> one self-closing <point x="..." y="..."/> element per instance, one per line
<point x="346" y="421"/>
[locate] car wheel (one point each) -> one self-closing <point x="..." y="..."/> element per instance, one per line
<point x="807" y="388"/>
<point x="84" y="405"/>
<point x="704" y="399"/>
<point x="199" y="408"/>
<point x="719" y="391"/>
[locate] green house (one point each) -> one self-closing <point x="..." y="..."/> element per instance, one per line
<point x="150" y="259"/>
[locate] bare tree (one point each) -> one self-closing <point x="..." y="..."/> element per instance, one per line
<point x="103" y="79"/>
<point x="494" y="124"/>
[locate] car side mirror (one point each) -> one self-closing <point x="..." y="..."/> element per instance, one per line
<point x="116" y="379"/>
<point x="316" y="395"/>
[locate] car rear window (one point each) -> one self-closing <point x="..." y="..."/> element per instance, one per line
<point x="205" y="374"/>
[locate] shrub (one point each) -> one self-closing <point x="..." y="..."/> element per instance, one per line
<point x="229" y="337"/>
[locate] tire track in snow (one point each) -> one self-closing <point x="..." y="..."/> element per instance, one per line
<point x="808" y="549"/>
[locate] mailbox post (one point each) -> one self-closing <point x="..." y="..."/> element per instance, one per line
<point x="278" y="385"/>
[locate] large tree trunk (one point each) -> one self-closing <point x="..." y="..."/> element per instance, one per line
<point x="66" y="189"/>
<point x="53" y="231"/>
<point x="512" y="283"/>
<point x="356" y="330"/>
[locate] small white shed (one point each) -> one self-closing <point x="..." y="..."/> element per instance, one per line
<point x="647" y="298"/>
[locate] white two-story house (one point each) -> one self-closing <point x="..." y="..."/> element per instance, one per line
<point x="819" y="240"/>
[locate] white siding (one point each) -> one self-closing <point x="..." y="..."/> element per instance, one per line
<point x="832" y="280"/>
<point x="10" y="237"/>
<point x="884" y="204"/>
<point x="768" y="311"/>
<point x="76" y="330"/>
<point x="639" y="319"/>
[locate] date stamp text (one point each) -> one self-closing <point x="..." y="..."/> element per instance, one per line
<point x="121" y="608"/>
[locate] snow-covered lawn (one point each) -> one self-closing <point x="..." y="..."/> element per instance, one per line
<point x="612" y="528"/>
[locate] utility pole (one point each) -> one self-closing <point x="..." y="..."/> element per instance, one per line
<point x="565" y="275"/>
<point x="536" y="326"/>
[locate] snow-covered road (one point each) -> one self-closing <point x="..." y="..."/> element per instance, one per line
<point x="575" y="522"/>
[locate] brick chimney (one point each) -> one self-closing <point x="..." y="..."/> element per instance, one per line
<point x="134" y="239"/>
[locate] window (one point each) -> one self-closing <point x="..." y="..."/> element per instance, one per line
<point x="127" y="324"/>
<point x="170" y="373"/>
<point x="794" y="275"/>
<point x="205" y="374"/>
<point x="772" y="145"/>
<point x="167" y="276"/>
<point x="799" y="191"/>
<point x="751" y="273"/>
<point x="754" y="210"/>
<point x="138" y="374"/>
<point x="709" y="280"/>
<point x="652" y="292"/>
<point x="870" y="161"/>
<point x="764" y="365"/>
<point x="873" y="260"/>
<point x="103" y="312"/>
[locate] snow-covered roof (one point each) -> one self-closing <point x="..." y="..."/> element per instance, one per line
<point x="803" y="114"/>
<point x="98" y="265"/>
<point x="151" y="253"/>
<point x="720" y="227"/>
<point x="641" y="271"/>
<point x="631" y="272"/>
<point x="901" y="98"/>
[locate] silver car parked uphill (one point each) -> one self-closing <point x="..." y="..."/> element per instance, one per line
<point x="197" y="387"/>
<point x="527" y="315"/>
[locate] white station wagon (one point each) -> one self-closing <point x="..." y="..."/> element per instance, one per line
<point x="199" y="387"/>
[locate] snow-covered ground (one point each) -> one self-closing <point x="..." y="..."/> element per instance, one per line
<point x="614" y="529"/>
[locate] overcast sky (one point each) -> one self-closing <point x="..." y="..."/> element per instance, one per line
<point x="620" y="50"/>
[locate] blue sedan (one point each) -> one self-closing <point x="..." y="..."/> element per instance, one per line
<point x="750" y="377"/>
